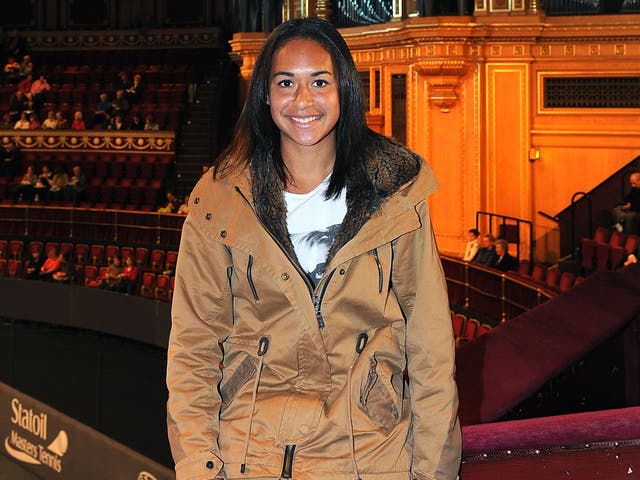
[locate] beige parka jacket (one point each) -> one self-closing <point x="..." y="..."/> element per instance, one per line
<point x="272" y="378"/>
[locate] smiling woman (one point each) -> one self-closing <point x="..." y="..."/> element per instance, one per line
<point x="311" y="334"/>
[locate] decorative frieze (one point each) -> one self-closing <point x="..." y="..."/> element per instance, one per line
<point x="91" y="141"/>
<point x="210" y="37"/>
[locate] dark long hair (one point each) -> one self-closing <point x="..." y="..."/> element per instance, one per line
<point x="257" y="138"/>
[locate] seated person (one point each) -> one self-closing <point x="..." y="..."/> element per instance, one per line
<point x="27" y="188"/>
<point x="58" y="182"/>
<point x="65" y="272"/>
<point x="627" y="215"/>
<point x="172" y="204"/>
<point x="77" y="184"/>
<point x="63" y="123"/>
<point x="487" y="254"/>
<point x="78" y="122"/>
<point x="11" y="71"/>
<point x="505" y="261"/>
<point x="51" y="265"/>
<point x="114" y="280"/>
<point x="102" y="116"/>
<point x="134" y="92"/>
<point x="33" y="265"/>
<point x="50" y="123"/>
<point x="34" y="122"/>
<point x="22" y="123"/>
<point x="473" y="245"/>
<point x="150" y="122"/>
<point x="184" y="207"/>
<point x="43" y="184"/>
<point x="117" y="122"/>
<point x="136" y="122"/>
<point x="129" y="276"/>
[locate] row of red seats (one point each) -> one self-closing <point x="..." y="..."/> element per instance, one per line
<point x="607" y="249"/>
<point x="466" y="328"/>
<point x="153" y="259"/>
<point x="157" y="286"/>
<point x="550" y="278"/>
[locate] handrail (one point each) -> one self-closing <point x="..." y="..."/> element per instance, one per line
<point x="490" y="292"/>
<point x="518" y="222"/>
<point x="574" y="247"/>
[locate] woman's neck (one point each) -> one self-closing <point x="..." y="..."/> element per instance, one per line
<point x="307" y="168"/>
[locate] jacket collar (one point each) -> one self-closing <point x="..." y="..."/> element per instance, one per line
<point x="390" y="168"/>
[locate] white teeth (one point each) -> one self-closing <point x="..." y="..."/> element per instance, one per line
<point x="304" y="120"/>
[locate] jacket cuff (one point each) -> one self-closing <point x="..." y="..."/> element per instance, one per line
<point x="203" y="465"/>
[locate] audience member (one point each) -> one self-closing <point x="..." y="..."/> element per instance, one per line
<point x="22" y="123"/>
<point x="51" y="265"/>
<point x="11" y="160"/>
<point x="150" y="122"/>
<point x="120" y="104"/>
<point x="172" y="204"/>
<point x="104" y="109"/>
<point x="43" y="185"/>
<point x="136" y="122"/>
<point x="77" y="183"/>
<point x="26" y="67"/>
<point x="183" y="209"/>
<point x="627" y="215"/>
<point x="134" y="92"/>
<point x="117" y="122"/>
<point x="25" y="84"/>
<point x="11" y="70"/>
<point x="122" y="82"/>
<point x="33" y="265"/>
<point x="65" y="271"/>
<point x="34" y="121"/>
<point x="130" y="274"/>
<point x="473" y="245"/>
<point x="58" y="182"/>
<point x="50" y="123"/>
<point x="5" y="122"/>
<point x="114" y="278"/>
<point x="505" y="261"/>
<point x="487" y="253"/>
<point x="26" y="190"/>
<point x="63" y="123"/>
<point x="29" y="105"/>
<point x="78" y="122"/>
<point x="39" y="89"/>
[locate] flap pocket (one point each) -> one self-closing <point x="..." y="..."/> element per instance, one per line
<point x="381" y="396"/>
<point x="237" y="378"/>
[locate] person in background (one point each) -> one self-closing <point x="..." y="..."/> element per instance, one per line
<point x="11" y="70"/>
<point x="50" y="123"/>
<point x="75" y="188"/>
<point x="134" y="92"/>
<point x="78" y="122"/>
<point x="58" y="183"/>
<point x="33" y="265"/>
<point x="43" y="185"/>
<point x="51" y="265"/>
<point x="11" y="160"/>
<point x="103" y="112"/>
<point x="172" y="205"/>
<point x="183" y="209"/>
<point x="34" y="122"/>
<point x="39" y="89"/>
<point x="23" y="123"/>
<point x="150" y="122"/>
<point x="309" y="274"/>
<point x="130" y="274"/>
<point x="627" y="214"/>
<point x="487" y="254"/>
<point x="473" y="245"/>
<point x="63" y="123"/>
<point x="65" y="272"/>
<point x="505" y="262"/>
<point x="136" y="122"/>
<point x="114" y="279"/>
<point x="26" y="190"/>
<point x="117" y="122"/>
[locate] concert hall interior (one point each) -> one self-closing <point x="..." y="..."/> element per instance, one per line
<point x="528" y="112"/>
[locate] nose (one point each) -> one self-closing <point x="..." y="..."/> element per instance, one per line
<point x="304" y="97"/>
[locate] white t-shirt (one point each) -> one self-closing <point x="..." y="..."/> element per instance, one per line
<point x="313" y="223"/>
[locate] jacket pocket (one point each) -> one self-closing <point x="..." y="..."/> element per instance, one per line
<point x="241" y="375"/>
<point x="381" y="396"/>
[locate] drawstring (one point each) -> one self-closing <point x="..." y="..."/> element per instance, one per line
<point x="360" y="344"/>
<point x="263" y="346"/>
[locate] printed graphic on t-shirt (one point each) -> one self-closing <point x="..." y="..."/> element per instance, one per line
<point x="316" y="244"/>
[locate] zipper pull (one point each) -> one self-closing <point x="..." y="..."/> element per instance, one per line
<point x="316" y="304"/>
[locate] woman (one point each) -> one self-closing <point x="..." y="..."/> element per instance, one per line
<point x="473" y="245"/>
<point x="308" y="272"/>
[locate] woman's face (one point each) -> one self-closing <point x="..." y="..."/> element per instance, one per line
<point x="303" y="95"/>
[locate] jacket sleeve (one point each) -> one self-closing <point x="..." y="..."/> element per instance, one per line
<point x="201" y="319"/>
<point x="421" y="289"/>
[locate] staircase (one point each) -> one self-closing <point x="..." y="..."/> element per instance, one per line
<point x="206" y="126"/>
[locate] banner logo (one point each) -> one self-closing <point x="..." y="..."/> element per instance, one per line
<point x="29" y="451"/>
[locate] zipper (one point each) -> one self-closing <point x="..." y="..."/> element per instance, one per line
<point x="250" y="279"/>
<point x="317" y="299"/>
<point x="379" y="265"/>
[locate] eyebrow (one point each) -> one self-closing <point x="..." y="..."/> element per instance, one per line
<point x="314" y="74"/>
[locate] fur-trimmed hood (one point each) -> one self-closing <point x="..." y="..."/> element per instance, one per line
<point x="389" y="166"/>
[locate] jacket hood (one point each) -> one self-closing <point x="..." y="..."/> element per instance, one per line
<point x="388" y="167"/>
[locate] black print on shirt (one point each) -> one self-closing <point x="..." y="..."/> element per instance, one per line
<point x="319" y="241"/>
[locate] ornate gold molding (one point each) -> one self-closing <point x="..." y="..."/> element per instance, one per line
<point x="444" y="77"/>
<point x="91" y="141"/>
<point x="210" y="37"/>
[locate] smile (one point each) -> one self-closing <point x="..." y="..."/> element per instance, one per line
<point x="304" y="120"/>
